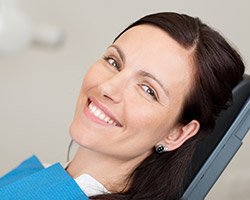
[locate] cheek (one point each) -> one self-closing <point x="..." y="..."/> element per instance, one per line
<point x="91" y="78"/>
<point x="147" y="118"/>
<point x="139" y="118"/>
<point x="150" y="122"/>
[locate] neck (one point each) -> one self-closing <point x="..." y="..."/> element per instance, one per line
<point x="110" y="172"/>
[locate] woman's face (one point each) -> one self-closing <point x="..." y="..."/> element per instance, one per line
<point x="131" y="97"/>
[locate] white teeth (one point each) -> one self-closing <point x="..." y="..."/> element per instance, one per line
<point x="110" y="121"/>
<point x="106" y="119"/>
<point x="98" y="113"/>
<point x="102" y="116"/>
<point x="90" y="106"/>
<point x="93" y="109"/>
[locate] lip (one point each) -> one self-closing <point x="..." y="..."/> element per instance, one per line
<point x="104" y="108"/>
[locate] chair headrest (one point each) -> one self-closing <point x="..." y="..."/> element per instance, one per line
<point x="241" y="94"/>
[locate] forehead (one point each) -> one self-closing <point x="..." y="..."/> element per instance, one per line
<point x="149" y="48"/>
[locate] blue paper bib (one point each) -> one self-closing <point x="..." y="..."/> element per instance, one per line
<point x="30" y="180"/>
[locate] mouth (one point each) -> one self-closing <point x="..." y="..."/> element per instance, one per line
<point x="101" y="113"/>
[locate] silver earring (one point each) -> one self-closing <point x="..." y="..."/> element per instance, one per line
<point x="160" y="148"/>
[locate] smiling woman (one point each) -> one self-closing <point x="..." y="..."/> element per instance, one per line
<point x="146" y="103"/>
<point x="122" y="86"/>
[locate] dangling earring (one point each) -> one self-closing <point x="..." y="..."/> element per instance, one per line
<point x="160" y="148"/>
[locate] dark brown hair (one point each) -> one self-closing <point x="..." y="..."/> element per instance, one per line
<point x="218" y="69"/>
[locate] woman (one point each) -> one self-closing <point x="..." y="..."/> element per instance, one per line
<point x="145" y="104"/>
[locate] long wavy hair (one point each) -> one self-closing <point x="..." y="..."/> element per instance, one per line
<point x="218" y="69"/>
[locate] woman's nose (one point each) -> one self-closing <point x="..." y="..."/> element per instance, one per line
<point x="113" y="88"/>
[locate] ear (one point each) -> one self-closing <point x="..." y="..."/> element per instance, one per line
<point x="179" y="134"/>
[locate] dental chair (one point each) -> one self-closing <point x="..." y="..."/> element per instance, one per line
<point x="215" y="152"/>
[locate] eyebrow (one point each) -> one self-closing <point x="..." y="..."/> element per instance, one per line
<point x="140" y="72"/>
<point x="147" y="74"/>
<point x="119" y="51"/>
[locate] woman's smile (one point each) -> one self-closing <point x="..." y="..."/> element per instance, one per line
<point x="100" y="114"/>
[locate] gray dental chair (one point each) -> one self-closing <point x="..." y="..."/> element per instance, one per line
<point x="215" y="152"/>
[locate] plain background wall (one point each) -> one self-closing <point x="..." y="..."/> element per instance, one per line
<point x="39" y="87"/>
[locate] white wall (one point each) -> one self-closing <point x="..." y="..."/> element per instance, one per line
<point x="39" y="87"/>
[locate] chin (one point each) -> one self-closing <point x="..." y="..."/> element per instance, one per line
<point x="76" y="133"/>
<point x="82" y="135"/>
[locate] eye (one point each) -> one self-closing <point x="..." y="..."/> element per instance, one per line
<point x="150" y="91"/>
<point x="112" y="62"/>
